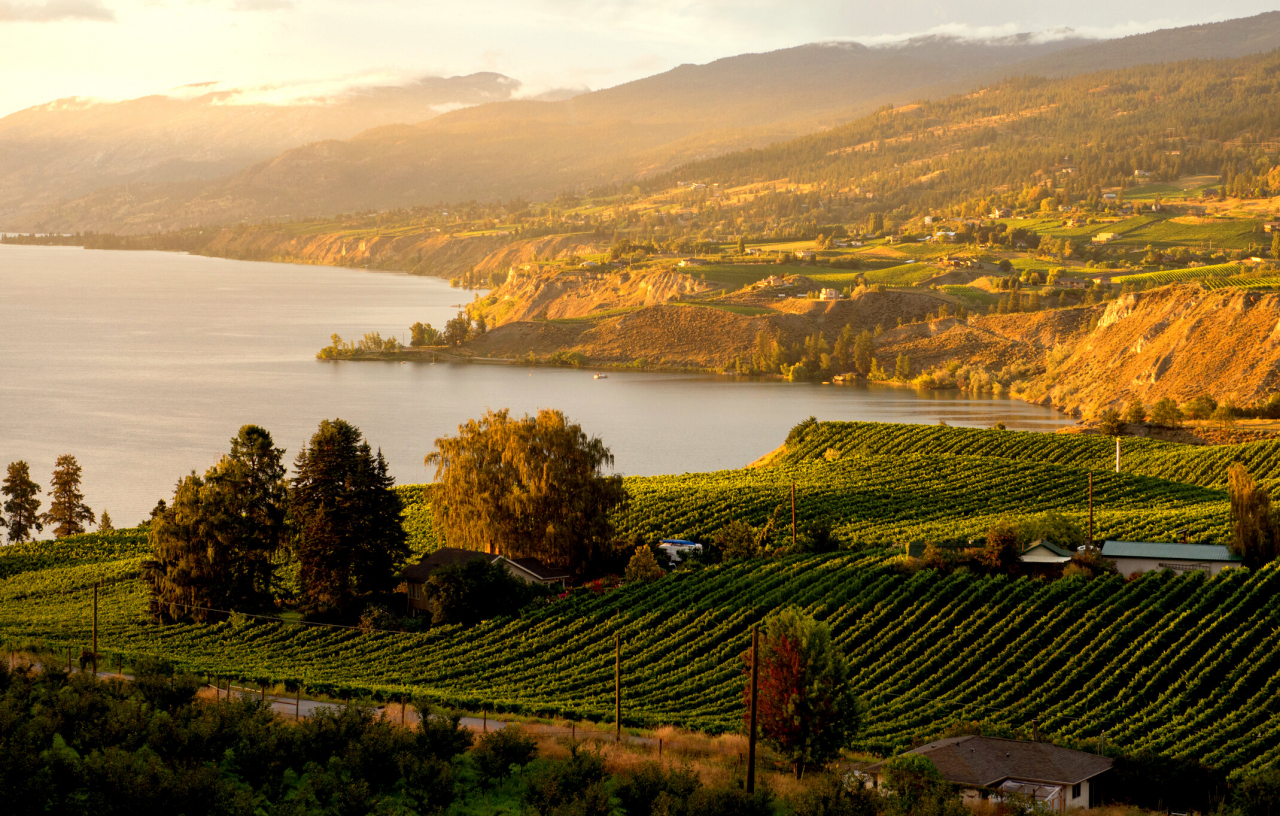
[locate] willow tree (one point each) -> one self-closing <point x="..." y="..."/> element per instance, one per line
<point x="67" y="514"/>
<point x="213" y="547"/>
<point x="529" y="487"/>
<point x="1255" y="534"/>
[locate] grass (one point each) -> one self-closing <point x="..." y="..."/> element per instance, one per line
<point x="751" y="311"/>
<point x="970" y="293"/>
<point x="736" y="276"/>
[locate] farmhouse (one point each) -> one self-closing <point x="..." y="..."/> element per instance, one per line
<point x="1140" y="556"/>
<point x="1060" y="778"/>
<point x="416" y="576"/>
<point x="829" y="294"/>
<point x="1271" y="226"/>
<point x="1104" y="237"/>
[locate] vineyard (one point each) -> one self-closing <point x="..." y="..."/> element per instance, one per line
<point x="1184" y="665"/>
<point x="1206" y="274"/>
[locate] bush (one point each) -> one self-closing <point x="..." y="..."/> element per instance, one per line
<point x="651" y="788"/>
<point x="834" y="798"/>
<point x="474" y="591"/>
<point x="576" y="785"/>
<point x="1136" y="413"/>
<point x="728" y="801"/>
<point x="498" y="751"/>
<point x="1054" y="527"/>
<point x="643" y="566"/>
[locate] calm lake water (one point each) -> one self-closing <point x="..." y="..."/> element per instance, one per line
<point x="144" y="364"/>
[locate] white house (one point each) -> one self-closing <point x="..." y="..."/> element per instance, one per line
<point x="677" y="548"/>
<point x="990" y="767"/>
<point x="829" y="294"/>
<point x="1104" y="237"/>
<point x="1044" y="552"/>
<point x="1141" y="556"/>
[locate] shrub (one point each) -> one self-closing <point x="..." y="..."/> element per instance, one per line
<point x="651" y="788"/>
<point x="497" y="751"/>
<point x="1202" y="407"/>
<point x="575" y="785"/>
<point x="728" y="801"/>
<point x="1110" y="423"/>
<point x="834" y="798"/>
<point x="1136" y="413"/>
<point x="643" y="566"/>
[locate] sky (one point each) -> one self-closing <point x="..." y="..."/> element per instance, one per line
<point x="120" y="49"/>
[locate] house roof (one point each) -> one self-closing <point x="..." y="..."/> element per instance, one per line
<point x="1167" y="552"/>
<point x="982" y="762"/>
<point x="438" y="560"/>
<point x="1048" y="545"/>
<point x="538" y="569"/>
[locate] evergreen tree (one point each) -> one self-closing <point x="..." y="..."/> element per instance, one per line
<point x="863" y="348"/>
<point x="348" y="538"/>
<point x="213" y="547"/>
<point x="104" y="523"/>
<point x="1275" y="245"/>
<point x="21" y="504"/>
<point x="68" y="514"/>
<point x="902" y="369"/>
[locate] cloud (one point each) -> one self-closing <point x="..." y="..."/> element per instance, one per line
<point x="1010" y="31"/>
<point x="54" y="10"/>
<point x="261" y="5"/>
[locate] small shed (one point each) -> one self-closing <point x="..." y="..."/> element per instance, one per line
<point x="985" y="767"/>
<point x="1146" y="556"/>
<point x="1042" y="551"/>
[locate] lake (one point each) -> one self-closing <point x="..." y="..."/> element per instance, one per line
<point x="144" y="364"/>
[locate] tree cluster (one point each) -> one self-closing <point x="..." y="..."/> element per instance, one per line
<point x="221" y="542"/>
<point x="67" y="515"/>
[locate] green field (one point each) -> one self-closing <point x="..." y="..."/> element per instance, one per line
<point x="1182" y="665"/>
<point x="1193" y="273"/>
<point x="903" y="274"/>
<point x="1243" y="282"/>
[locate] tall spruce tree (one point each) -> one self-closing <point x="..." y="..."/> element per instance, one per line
<point x="348" y="538"/>
<point x="21" y="502"/>
<point x="67" y="514"/>
<point x="213" y="547"/>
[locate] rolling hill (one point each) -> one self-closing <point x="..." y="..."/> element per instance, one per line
<point x="610" y="137"/>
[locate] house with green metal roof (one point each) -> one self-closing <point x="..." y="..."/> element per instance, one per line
<point x="1145" y="556"/>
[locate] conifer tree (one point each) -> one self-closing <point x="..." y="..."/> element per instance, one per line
<point x="21" y="504"/>
<point x="212" y="547"/>
<point x="67" y="514"/>
<point x="348" y="539"/>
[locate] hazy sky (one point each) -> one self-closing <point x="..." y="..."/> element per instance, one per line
<point x="125" y="48"/>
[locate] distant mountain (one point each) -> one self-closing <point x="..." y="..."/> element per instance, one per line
<point x="71" y="147"/>
<point x="614" y="136"/>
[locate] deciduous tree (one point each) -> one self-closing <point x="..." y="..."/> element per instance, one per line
<point x="21" y="502"/>
<point x="348" y="538"/>
<point x="530" y="487"/>
<point x="805" y="708"/>
<point x="67" y="514"/>
<point x="643" y="566"/>
<point x="1255" y="529"/>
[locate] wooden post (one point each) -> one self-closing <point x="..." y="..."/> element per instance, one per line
<point x="1090" y="509"/>
<point x="297" y="704"/>
<point x="402" y="708"/>
<point x="751" y="734"/>
<point x="68" y="658"/>
<point x="264" y="692"/>
<point x="1035" y="730"/>
<point x="573" y="731"/>
<point x="95" y="629"/>
<point x="659" y="747"/>
<point x="617" y="688"/>
<point x="485" y="726"/>
<point x="1117" y="454"/>
<point x="793" y="514"/>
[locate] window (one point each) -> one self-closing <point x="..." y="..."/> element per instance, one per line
<point x="1075" y="791"/>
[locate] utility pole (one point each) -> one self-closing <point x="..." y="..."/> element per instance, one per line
<point x="1117" y="454"/>
<point x="751" y="736"/>
<point x="793" y="514"/>
<point x="95" y="628"/>
<point x="1090" y="509"/>
<point x="617" y="688"/>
